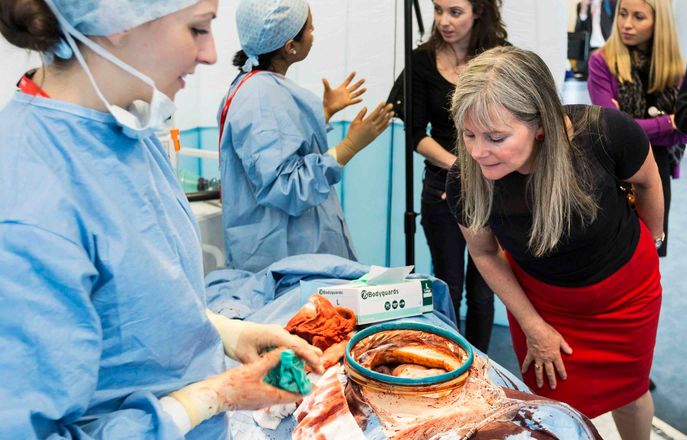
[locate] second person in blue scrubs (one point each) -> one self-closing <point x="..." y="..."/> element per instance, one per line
<point x="278" y="173"/>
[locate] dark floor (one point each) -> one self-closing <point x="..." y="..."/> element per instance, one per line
<point x="501" y="349"/>
<point x="670" y="356"/>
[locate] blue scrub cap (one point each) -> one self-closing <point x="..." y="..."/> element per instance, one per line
<point x="266" y="25"/>
<point x="107" y="17"/>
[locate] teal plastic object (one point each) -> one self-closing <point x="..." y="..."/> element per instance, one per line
<point x="290" y="374"/>
<point x="393" y="380"/>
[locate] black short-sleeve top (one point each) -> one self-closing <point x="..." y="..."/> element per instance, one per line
<point x="589" y="253"/>
<point x="431" y="100"/>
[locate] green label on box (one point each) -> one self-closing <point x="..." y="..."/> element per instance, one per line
<point x="426" y="292"/>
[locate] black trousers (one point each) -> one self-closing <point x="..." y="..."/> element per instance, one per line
<point x="663" y="163"/>
<point x="447" y="247"/>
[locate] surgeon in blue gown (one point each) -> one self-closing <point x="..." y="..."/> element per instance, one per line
<point x="278" y="173"/>
<point x="104" y="331"/>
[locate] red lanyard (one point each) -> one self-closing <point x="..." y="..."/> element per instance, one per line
<point x="227" y="103"/>
<point x="29" y="87"/>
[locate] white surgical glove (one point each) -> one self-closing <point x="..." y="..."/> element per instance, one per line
<point x="240" y="388"/>
<point x="245" y="341"/>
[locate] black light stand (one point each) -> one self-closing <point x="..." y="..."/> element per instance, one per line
<point x="409" y="224"/>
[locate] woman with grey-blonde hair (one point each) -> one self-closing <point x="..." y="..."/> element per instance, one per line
<point x="535" y="191"/>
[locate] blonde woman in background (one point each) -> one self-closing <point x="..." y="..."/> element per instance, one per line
<point x="639" y="71"/>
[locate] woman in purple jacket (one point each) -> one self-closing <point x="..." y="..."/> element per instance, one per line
<point x="638" y="71"/>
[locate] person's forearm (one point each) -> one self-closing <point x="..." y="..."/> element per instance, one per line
<point x="435" y="153"/>
<point x="177" y="412"/>
<point x="603" y="93"/>
<point x="327" y="114"/>
<point x="498" y="274"/>
<point x="649" y="203"/>
<point x="656" y="127"/>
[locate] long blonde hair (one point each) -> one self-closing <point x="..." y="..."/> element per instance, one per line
<point x="519" y="82"/>
<point x="667" y="64"/>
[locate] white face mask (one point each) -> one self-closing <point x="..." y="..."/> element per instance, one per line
<point x="140" y="120"/>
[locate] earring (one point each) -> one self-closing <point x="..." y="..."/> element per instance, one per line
<point x="539" y="137"/>
<point x="293" y="51"/>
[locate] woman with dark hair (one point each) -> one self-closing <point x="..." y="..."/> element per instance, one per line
<point x="104" y="330"/>
<point x="461" y="30"/>
<point x="278" y="173"/>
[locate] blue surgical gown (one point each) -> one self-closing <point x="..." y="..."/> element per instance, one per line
<point x="102" y="302"/>
<point x="278" y="196"/>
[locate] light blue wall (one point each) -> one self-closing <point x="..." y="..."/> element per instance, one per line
<point x="373" y="197"/>
<point x="372" y="193"/>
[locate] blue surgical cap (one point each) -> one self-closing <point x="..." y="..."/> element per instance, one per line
<point x="107" y="17"/>
<point x="266" y="25"/>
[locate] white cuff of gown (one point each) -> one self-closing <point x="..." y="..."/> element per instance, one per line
<point x="177" y="413"/>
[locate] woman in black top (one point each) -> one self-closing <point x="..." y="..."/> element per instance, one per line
<point x="535" y="189"/>
<point x="462" y="29"/>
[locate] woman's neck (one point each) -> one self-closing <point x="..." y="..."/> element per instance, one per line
<point x="280" y="66"/>
<point x="451" y="60"/>
<point x="459" y="49"/>
<point x="644" y="48"/>
<point x="68" y="84"/>
<point x="71" y="84"/>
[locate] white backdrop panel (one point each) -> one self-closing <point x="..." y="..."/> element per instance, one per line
<point x="349" y="35"/>
<point x="540" y="26"/>
<point x="366" y="37"/>
<point x="14" y="63"/>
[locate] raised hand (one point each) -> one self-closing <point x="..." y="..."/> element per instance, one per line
<point x="364" y="130"/>
<point x="341" y="97"/>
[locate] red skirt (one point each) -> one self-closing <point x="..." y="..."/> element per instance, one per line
<point x="611" y="327"/>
